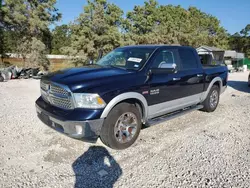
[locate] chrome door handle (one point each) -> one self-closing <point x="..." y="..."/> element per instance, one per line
<point x="199" y="75"/>
<point x="176" y="79"/>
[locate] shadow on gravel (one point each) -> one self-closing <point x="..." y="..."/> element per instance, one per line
<point x="240" y="86"/>
<point x="96" y="168"/>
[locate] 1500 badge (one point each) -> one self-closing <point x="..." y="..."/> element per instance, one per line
<point x="154" y="92"/>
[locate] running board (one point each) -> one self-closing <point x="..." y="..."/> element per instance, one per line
<point x="172" y="115"/>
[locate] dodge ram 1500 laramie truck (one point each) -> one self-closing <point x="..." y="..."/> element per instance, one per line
<point x="126" y="89"/>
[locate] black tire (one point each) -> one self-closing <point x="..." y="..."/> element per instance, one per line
<point x="108" y="136"/>
<point x="209" y="106"/>
<point x="249" y="81"/>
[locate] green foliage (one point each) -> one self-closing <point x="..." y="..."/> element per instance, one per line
<point x="10" y="40"/>
<point x="37" y="56"/>
<point x="153" y="23"/>
<point x="2" y="48"/>
<point x="102" y="26"/>
<point x="23" y="48"/>
<point x="46" y="37"/>
<point x="96" y="31"/>
<point x="241" y="41"/>
<point x="60" y="39"/>
<point x="29" y="17"/>
<point x="22" y="20"/>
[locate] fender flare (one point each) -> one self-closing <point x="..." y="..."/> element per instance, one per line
<point x="216" y="79"/>
<point x="125" y="96"/>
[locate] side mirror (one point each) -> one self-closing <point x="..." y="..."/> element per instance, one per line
<point x="164" y="68"/>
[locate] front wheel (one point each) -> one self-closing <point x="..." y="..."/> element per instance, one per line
<point x="212" y="100"/>
<point x="122" y="126"/>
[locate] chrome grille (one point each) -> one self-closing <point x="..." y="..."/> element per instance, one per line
<point x="54" y="89"/>
<point x="61" y="102"/>
<point x="56" y="95"/>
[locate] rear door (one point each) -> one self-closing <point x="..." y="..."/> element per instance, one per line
<point x="191" y="73"/>
<point x="170" y="92"/>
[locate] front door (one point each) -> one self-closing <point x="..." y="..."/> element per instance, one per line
<point x="173" y="91"/>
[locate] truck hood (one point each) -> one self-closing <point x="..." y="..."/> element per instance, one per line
<point x="78" y="77"/>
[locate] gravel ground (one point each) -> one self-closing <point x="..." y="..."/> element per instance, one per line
<point x="196" y="150"/>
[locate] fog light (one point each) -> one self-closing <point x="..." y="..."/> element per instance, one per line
<point x="78" y="129"/>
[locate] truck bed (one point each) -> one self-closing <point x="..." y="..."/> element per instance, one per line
<point x="214" y="69"/>
<point x="212" y="66"/>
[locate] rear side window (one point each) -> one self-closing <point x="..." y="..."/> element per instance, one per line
<point x="188" y="59"/>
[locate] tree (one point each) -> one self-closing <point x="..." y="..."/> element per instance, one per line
<point x="28" y="19"/>
<point x="60" y="38"/>
<point x="96" y="31"/>
<point x="23" y="49"/>
<point x="37" y="56"/>
<point x="2" y="51"/>
<point x="46" y="37"/>
<point x="154" y="23"/>
<point x="241" y="41"/>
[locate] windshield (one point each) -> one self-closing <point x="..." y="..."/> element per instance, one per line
<point x="126" y="58"/>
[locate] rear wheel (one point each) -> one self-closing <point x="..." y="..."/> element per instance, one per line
<point x="122" y="126"/>
<point x="212" y="100"/>
<point x="249" y="81"/>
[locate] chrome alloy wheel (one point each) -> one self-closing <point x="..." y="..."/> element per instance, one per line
<point x="214" y="98"/>
<point x="126" y="127"/>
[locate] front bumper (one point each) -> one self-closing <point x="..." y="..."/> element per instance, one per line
<point x="88" y="130"/>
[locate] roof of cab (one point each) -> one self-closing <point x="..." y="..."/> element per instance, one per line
<point x="153" y="46"/>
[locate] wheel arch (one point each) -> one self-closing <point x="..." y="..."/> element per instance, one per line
<point x="219" y="84"/>
<point x="216" y="81"/>
<point x="131" y="97"/>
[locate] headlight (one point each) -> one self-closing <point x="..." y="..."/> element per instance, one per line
<point x="86" y="100"/>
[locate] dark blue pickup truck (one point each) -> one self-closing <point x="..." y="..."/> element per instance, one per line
<point x="128" y="88"/>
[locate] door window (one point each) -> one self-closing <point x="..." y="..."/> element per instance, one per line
<point x="164" y="59"/>
<point x="188" y="59"/>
